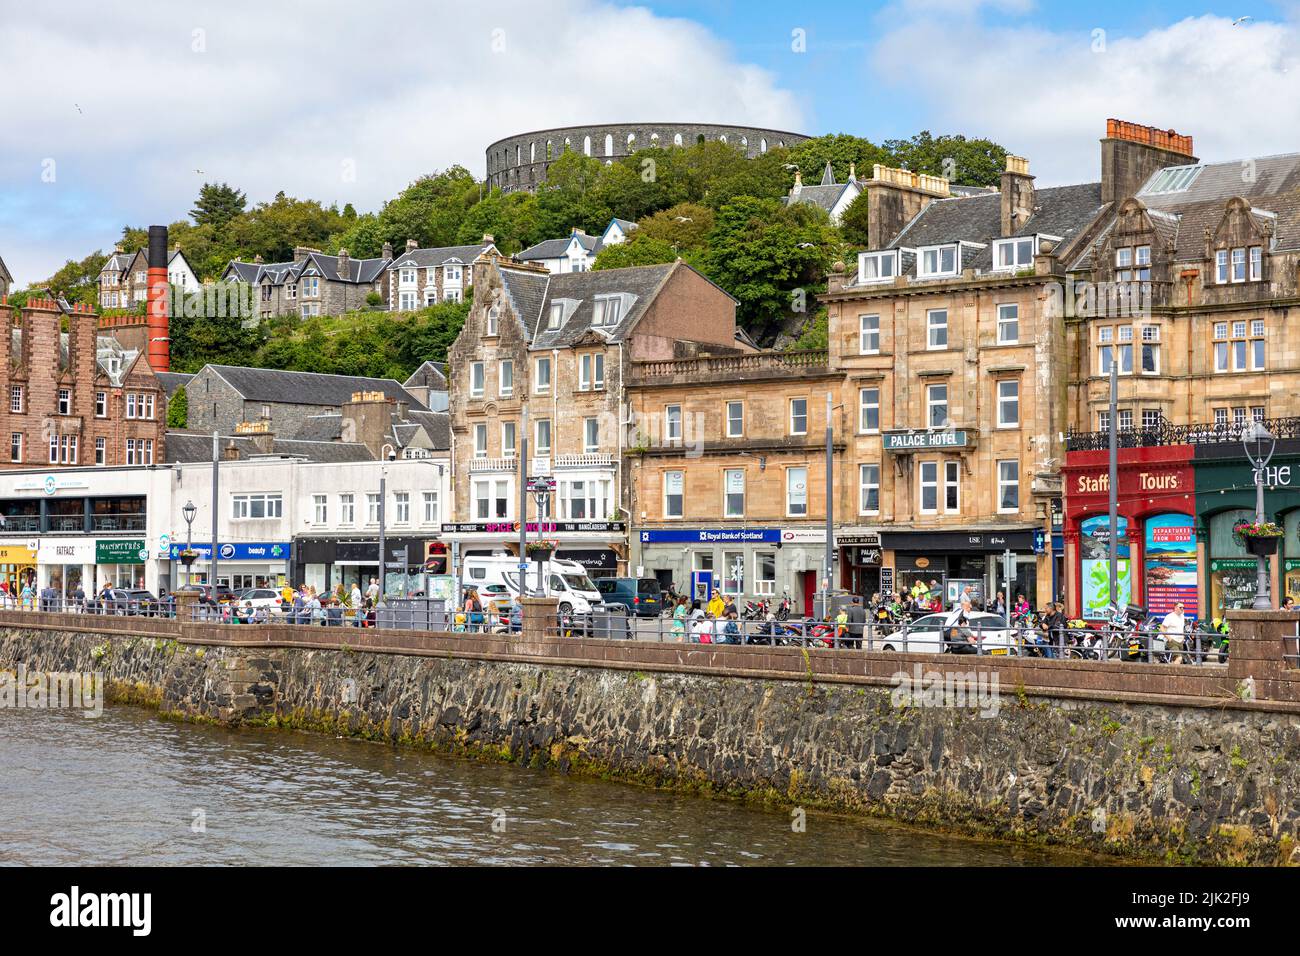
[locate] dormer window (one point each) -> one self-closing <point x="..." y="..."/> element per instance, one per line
<point x="556" y="317"/>
<point x="1011" y="255"/>
<point x="877" y="266"/>
<point x="1239" y="265"/>
<point x="608" y="310"/>
<point x="1133" y="263"/>
<point x="936" y="261"/>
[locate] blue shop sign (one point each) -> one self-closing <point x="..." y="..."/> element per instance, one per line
<point x="238" y="551"/>
<point x="712" y="536"/>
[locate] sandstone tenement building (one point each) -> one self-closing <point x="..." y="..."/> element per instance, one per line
<point x="521" y="161"/>
<point x="74" y="397"/>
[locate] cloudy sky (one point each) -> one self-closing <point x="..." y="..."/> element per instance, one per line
<point x="132" y="106"/>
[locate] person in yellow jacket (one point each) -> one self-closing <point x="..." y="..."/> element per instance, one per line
<point x="716" y="604"/>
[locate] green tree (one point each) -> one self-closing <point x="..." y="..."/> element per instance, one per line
<point x="771" y="258"/>
<point x="77" y="281"/>
<point x="842" y="151"/>
<point x="178" y="409"/>
<point x="969" y="162"/>
<point x="815" y="334"/>
<point x="637" y="251"/>
<point x="853" y="223"/>
<point x="685" y="226"/>
<point x="217" y="205"/>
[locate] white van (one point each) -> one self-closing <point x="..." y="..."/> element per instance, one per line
<point x="565" y="580"/>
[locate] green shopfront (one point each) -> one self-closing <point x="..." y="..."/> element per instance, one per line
<point x="1225" y="494"/>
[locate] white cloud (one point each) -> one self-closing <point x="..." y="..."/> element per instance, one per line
<point x="1047" y="95"/>
<point x="282" y="96"/>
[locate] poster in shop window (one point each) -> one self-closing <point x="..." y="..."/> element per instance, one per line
<point x="1233" y="584"/>
<point x="1094" y="560"/>
<point x="1171" y="564"/>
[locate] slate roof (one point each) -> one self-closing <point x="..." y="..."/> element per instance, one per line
<point x="171" y="381"/>
<point x="641" y="282"/>
<point x="431" y="258"/>
<point x="307" y="388"/>
<point x="196" y="447"/>
<point x="554" y="248"/>
<point x="359" y="272"/>
<point x="1063" y="211"/>
<point x="1182" y="217"/>
<point x="428" y="375"/>
<point x="438" y="427"/>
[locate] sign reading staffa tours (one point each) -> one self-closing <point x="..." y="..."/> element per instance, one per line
<point x="119" y="551"/>
<point x="904" y="441"/>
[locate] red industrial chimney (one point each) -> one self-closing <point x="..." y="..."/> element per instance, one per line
<point x="159" y="353"/>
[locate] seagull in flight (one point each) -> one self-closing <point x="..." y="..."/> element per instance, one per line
<point x="806" y="245"/>
<point x="1240" y="20"/>
<point x="200" y="172"/>
<point x="79" y="109"/>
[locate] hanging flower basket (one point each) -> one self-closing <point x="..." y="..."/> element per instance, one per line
<point x="540" y="550"/>
<point x="188" y="557"/>
<point x="1259" y="537"/>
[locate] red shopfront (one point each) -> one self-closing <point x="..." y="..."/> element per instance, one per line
<point x="1158" y="553"/>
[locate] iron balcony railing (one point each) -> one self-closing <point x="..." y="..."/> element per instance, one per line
<point x="1167" y="433"/>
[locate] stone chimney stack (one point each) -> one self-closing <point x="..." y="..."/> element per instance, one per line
<point x="412" y="245"/>
<point x="798" y="182"/>
<point x="489" y="239"/>
<point x="368" y="419"/>
<point x="301" y="252"/>
<point x="1017" y="195"/>
<point x="345" y="265"/>
<point x="1130" y="154"/>
<point x="388" y="251"/>
<point x="259" y="432"/>
<point x="258" y="260"/>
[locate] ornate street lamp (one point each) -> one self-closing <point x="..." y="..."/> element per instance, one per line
<point x="188" y="512"/>
<point x="1259" y="445"/>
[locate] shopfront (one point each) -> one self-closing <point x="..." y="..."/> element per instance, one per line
<point x="988" y="561"/>
<point x="18" y="565"/>
<point x="324" y="563"/>
<point x="1159" y="562"/>
<point x="599" y="546"/>
<point x="242" y="564"/>
<point x="742" y="562"/>
<point x="1226" y="495"/>
<point x="860" y="561"/>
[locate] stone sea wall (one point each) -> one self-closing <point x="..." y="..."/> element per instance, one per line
<point x="1190" y="784"/>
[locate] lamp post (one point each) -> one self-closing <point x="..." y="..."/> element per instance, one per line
<point x="188" y="512"/>
<point x="383" y="494"/>
<point x="1257" y="439"/>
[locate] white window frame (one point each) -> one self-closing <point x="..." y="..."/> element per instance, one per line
<point x="924" y="269"/>
<point x="590" y="435"/>
<point x="538" y="447"/>
<point x="477" y="380"/>
<point x="1004" y="483"/>
<point x="1017" y="245"/>
<point x="927" y="479"/>
<point x="431" y="509"/>
<point x="868" y="335"/>
<point x="1008" y="402"/>
<point x="931" y="327"/>
<point x="1008" y="317"/>
<point x="320" y="509"/>
<point x="884" y="265"/>
<point x="672" y="423"/>
<point x="727" y="510"/>
<point x="794" y="417"/>
<point x="727" y="409"/>
<point x="790" y="474"/>
<point x="542" y="375"/>
<point x="402" y="507"/>
<point x="509" y="439"/>
<point x="506" y="378"/>
<point x="680" y="495"/>
<point x="868" y="480"/>
<point x="868" y="399"/>
<point x="931" y="405"/>
<point x="347" y="509"/>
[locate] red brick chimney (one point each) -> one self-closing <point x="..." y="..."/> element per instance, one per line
<point x="159" y="352"/>
<point x="1131" y="153"/>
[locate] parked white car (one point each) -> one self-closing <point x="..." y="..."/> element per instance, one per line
<point x="268" y="598"/>
<point x="925" y="634"/>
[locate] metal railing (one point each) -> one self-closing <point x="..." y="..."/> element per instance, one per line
<point x="715" y="365"/>
<point x="1197" y="646"/>
<point x="1151" y="646"/>
<point x="1167" y="433"/>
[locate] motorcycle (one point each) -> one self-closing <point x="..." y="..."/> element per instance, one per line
<point x="755" y="611"/>
<point x="783" y="609"/>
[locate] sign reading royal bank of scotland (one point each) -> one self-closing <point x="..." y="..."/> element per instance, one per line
<point x="904" y="441"/>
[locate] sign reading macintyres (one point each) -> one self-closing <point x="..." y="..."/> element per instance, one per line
<point x="905" y="441"/>
<point x="119" y="551"/>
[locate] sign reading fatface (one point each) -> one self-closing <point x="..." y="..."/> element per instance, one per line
<point x="905" y="441"/>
